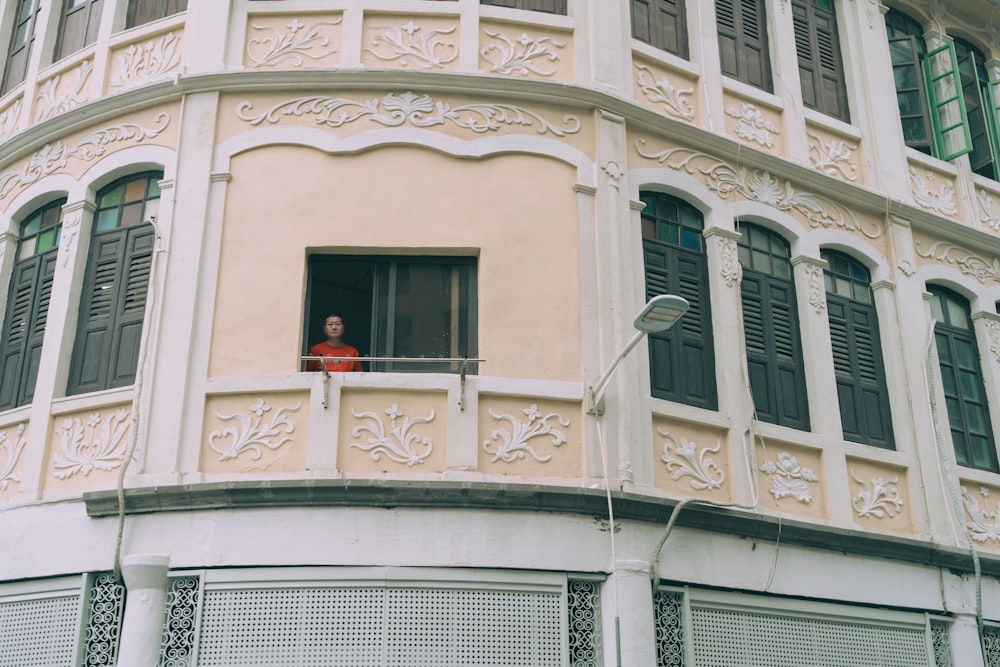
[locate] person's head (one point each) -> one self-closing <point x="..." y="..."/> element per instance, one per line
<point x="333" y="327"/>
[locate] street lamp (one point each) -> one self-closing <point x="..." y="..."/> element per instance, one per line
<point x="659" y="314"/>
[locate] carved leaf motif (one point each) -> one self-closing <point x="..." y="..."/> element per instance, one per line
<point x="419" y="110"/>
<point x="12" y="450"/>
<point x="689" y="462"/>
<point x="661" y="91"/>
<point x="409" y="48"/>
<point x="942" y="201"/>
<point x="9" y="120"/>
<point x="400" y="444"/>
<point x="993" y="331"/>
<point x="54" y="157"/>
<point x="149" y="62"/>
<point x="250" y="434"/>
<point x="73" y="97"/>
<point x="967" y="262"/>
<point x="833" y="157"/>
<point x="879" y="498"/>
<point x="104" y="450"/>
<point x="984" y="525"/>
<point x="724" y="179"/>
<point x="752" y="125"/>
<point x="788" y="478"/>
<point x="514" y="442"/>
<point x="519" y="57"/>
<point x="731" y="270"/>
<point x="269" y="51"/>
<point x="817" y="289"/>
<point x="986" y="216"/>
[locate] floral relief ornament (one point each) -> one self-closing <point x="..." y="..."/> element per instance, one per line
<point x="9" y="119"/>
<point x="12" y="449"/>
<point x="833" y="157"/>
<point x="689" y="462"/>
<point x="292" y="46"/>
<point x="760" y="186"/>
<point x="817" y="290"/>
<point x="103" y="450"/>
<point x="985" y="525"/>
<point x="400" y="444"/>
<point x="250" y="435"/>
<point x="879" y="498"/>
<point x="661" y="91"/>
<point x="70" y="226"/>
<point x="968" y="262"/>
<point x="73" y="97"/>
<point x="413" y="49"/>
<point x="54" y="157"/>
<point x="986" y="216"/>
<point x="993" y="331"/>
<point x="152" y="61"/>
<point x="514" y="444"/>
<point x="731" y="269"/>
<point x="394" y="110"/>
<point x="752" y="125"/>
<point x="519" y="57"/>
<point x="788" y="478"/>
<point x="942" y="201"/>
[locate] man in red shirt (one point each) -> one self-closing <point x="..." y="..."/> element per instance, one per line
<point x="334" y="346"/>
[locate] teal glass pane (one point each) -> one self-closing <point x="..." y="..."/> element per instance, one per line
<point x="153" y="188"/>
<point x="958" y="439"/>
<point x="970" y="385"/>
<point x="112" y="197"/>
<point x="107" y="220"/>
<point x="46" y="240"/>
<point x="761" y="261"/>
<point x="691" y="239"/>
<point x="862" y="293"/>
<point x="830" y="283"/>
<point x="976" y="418"/>
<point x="981" y="455"/>
<point x="782" y="269"/>
<point x="743" y="253"/>
<point x="667" y="232"/>
<point x="31" y="228"/>
<point x="948" y="382"/>
<point x="955" y="414"/>
<point x="650" y="207"/>
<point x="943" y="349"/>
<point x="965" y="355"/>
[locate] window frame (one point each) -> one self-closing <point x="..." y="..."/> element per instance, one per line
<point x="91" y="9"/>
<point x="137" y="13"/>
<point x="822" y="65"/>
<point x="380" y="294"/>
<point x="661" y="34"/>
<point x="558" y="7"/>
<point x="738" y="31"/>
<point x="29" y="19"/>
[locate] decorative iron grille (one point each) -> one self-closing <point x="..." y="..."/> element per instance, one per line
<point x="669" y="610"/>
<point x="584" y="609"/>
<point x="105" y="611"/>
<point x="177" y="641"/>
<point x="991" y="645"/>
<point x="941" y="639"/>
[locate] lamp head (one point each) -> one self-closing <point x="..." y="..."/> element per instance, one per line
<point x="660" y="313"/>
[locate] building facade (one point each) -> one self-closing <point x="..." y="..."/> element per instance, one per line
<point x="802" y="471"/>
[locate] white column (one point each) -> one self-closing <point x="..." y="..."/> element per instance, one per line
<point x="145" y="578"/>
<point x="965" y="645"/>
<point x="609" y="25"/>
<point x="817" y="351"/>
<point x="627" y="603"/>
<point x="785" y="73"/>
<point x="8" y="249"/>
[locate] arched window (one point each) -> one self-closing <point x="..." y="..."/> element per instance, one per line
<point x="907" y="51"/>
<point x="857" y="352"/>
<point x="113" y="301"/>
<point x="28" y="304"/>
<point x="962" y="380"/>
<point x="771" y="328"/>
<point x="978" y="107"/>
<point x="821" y="68"/>
<point x="681" y="359"/>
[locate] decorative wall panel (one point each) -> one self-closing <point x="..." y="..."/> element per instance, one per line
<point x="255" y="432"/>
<point x="292" y="41"/>
<point x="392" y="431"/>
<point x="87" y="448"/>
<point x="789" y="478"/>
<point x="879" y="496"/>
<point x="522" y="50"/>
<point x="527" y="436"/>
<point x="691" y="459"/>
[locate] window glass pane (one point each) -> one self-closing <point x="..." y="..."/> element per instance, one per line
<point x="648" y="228"/>
<point x="957" y="315"/>
<point x="944" y="349"/>
<point x="936" y="311"/>
<point x="131" y="214"/>
<point x="31" y="228"/>
<point x="970" y="385"/>
<point x="153" y="189"/>
<point x="668" y="233"/>
<point x="135" y="190"/>
<point x="948" y="383"/>
<point x="782" y="269"/>
<point x="744" y="255"/>
<point x="976" y="418"/>
<point x="982" y="455"/>
<point x="112" y="197"/>
<point x="27" y="248"/>
<point x="965" y="354"/>
<point x="107" y="220"/>
<point x="844" y="287"/>
<point x="958" y="439"/>
<point x="761" y="261"/>
<point x="46" y="240"/>
<point x="955" y="414"/>
<point x="692" y="239"/>
<point x="862" y="293"/>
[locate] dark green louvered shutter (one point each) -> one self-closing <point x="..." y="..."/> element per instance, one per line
<point x="111" y="310"/>
<point x="774" y="350"/>
<point x="857" y="361"/>
<point x="743" y="41"/>
<point x="682" y="359"/>
<point x="821" y="68"/>
<point x="27" y="312"/>
<point x="548" y="6"/>
<point x="661" y="23"/>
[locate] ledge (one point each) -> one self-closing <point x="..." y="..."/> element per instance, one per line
<point x="526" y="497"/>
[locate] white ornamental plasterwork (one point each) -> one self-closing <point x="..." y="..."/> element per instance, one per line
<point x="661" y="91"/>
<point x="967" y="262"/>
<point x="789" y="479"/>
<point x="752" y="125"/>
<point x="71" y="99"/>
<point x="276" y="46"/>
<point x="70" y="226"/>
<point x="401" y="443"/>
<point x="759" y="186"/>
<point x="985" y="524"/>
<point x="833" y="157"/>
<point x="730" y="266"/>
<point x="520" y="56"/>
<point x="103" y="449"/>
<point x="12" y="449"/>
<point x="878" y="498"/>
<point x="685" y="460"/>
<point x="986" y="216"/>
<point x="817" y="289"/>
<point x="942" y="201"/>
<point x="614" y="172"/>
<point x="54" y="157"/>
<point x="394" y="110"/>
<point x="514" y="443"/>
<point x="993" y="331"/>
<point x="9" y="120"/>
<point x="250" y="434"/>
<point x="152" y="61"/>
<point x="409" y="48"/>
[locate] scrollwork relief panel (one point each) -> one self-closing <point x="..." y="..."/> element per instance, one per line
<point x="835" y="155"/>
<point x="13" y="440"/>
<point x="151" y="60"/>
<point x="934" y="192"/>
<point x="789" y="479"/>
<point x="529" y="436"/>
<point x="10" y="119"/>
<point x="523" y="51"/>
<point x="879" y="495"/>
<point x="415" y="42"/>
<point x="690" y="459"/>
<point x="392" y="432"/>
<point x="285" y="41"/>
<point x="986" y="270"/>
<point x="64" y="91"/>
<point x="255" y="432"/>
<point x="87" y="448"/>
<point x="671" y="94"/>
<point x="754" y="125"/>
<point x="982" y="509"/>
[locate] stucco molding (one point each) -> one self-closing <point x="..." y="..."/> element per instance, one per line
<point x="250" y="435"/>
<point x="514" y="443"/>
<point x="759" y="185"/>
<point x="10" y="119"/>
<point x="878" y="498"/>
<point x="70" y="99"/>
<point x="407" y="45"/>
<point x="969" y="263"/>
<point x="789" y="479"/>
<point x="752" y="125"/>
<point x="933" y="197"/>
<point x="12" y="448"/>
<point x="401" y="443"/>
<point x="833" y="157"/>
<point x="984" y="525"/>
<point x="141" y="63"/>
<point x="103" y="450"/>
<point x="684" y="459"/>
<point x="274" y="46"/>
<point x="520" y="56"/>
<point x="676" y="102"/>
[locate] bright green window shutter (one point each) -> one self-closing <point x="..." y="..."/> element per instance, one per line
<point x="951" y="127"/>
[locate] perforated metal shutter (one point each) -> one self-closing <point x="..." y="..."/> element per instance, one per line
<point x="392" y="626"/>
<point x="726" y="637"/>
<point x="40" y="632"/>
